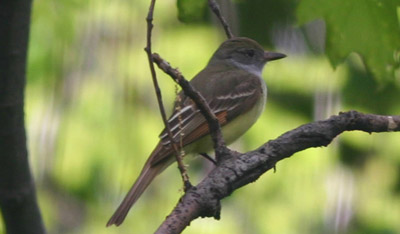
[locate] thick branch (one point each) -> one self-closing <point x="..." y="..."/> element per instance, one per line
<point x="203" y="200"/>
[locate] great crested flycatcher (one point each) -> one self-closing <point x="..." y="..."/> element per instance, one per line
<point x="232" y="85"/>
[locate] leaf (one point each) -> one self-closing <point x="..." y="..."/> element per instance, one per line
<point x="367" y="27"/>
<point x="190" y="11"/>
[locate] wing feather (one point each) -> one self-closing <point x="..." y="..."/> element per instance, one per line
<point x="189" y="124"/>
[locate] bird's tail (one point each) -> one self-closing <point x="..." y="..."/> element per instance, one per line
<point x="149" y="172"/>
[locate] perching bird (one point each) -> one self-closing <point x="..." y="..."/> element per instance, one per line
<point x="232" y="85"/>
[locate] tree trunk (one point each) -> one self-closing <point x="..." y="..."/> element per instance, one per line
<point x="18" y="202"/>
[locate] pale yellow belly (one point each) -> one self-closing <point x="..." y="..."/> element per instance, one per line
<point x="233" y="130"/>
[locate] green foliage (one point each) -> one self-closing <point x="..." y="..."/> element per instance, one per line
<point x="258" y="18"/>
<point x="93" y="119"/>
<point x="190" y="11"/>
<point x="55" y="23"/>
<point x="368" y="27"/>
<point x="362" y="91"/>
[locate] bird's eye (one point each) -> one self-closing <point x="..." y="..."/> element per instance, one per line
<point x="250" y="53"/>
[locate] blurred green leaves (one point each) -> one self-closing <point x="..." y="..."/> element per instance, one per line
<point x="191" y="11"/>
<point x="369" y="27"/>
<point x="259" y="18"/>
<point x="91" y="142"/>
<point x="55" y="23"/>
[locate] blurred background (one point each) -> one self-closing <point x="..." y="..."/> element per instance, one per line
<point x="92" y="119"/>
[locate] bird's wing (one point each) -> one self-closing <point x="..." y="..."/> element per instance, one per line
<point x="187" y="124"/>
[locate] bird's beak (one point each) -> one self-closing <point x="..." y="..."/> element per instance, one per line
<point x="269" y="56"/>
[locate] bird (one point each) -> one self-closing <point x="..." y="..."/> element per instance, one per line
<point x="233" y="87"/>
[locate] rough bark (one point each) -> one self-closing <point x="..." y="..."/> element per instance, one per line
<point x="203" y="200"/>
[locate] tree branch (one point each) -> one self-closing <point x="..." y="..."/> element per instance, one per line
<point x="215" y="129"/>
<point x="18" y="201"/>
<point x="219" y="145"/>
<point x="175" y="146"/>
<point x="215" y="8"/>
<point x="203" y="200"/>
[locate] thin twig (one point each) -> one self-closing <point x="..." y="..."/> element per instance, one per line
<point x="215" y="8"/>
<point x="215" y="128"/>
<point x="175" y="146"/>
